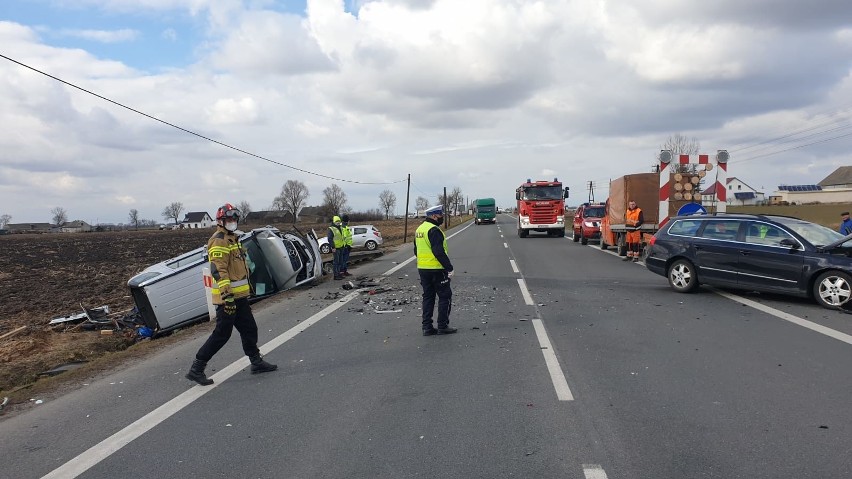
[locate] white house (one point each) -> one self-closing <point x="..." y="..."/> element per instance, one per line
<point x="77" y="226"/>
<point x="197" y="219"/>
<point x="739" y="193"/>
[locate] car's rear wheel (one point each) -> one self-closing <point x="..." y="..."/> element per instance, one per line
<point x="371" y="245"/>
<point x="833" y="289"/>
<point x="325" y="249"/>
<point x="682" y="276"/>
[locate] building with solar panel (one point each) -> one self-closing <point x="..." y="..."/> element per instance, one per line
<point x="739" y="193"/>
<point x="835" y="188"/>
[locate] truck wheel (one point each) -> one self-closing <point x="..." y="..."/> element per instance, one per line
<point x="561" y="233"/>
<point x="575" y="236"/>
<point x="522" y="233"/>
<point x="621" y="241"/>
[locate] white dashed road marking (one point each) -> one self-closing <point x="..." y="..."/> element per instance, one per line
<point x="594" y="471"/>
<point x="525" y="292"/>
<point x="514" y="266"/>
<point x="563" y="393"/>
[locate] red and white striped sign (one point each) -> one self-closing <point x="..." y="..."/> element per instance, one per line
<point x="721" y="175"/>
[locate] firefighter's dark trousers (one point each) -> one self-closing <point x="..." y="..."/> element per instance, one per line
<point x="435" y="282"/>
<point x="245" y="324"/>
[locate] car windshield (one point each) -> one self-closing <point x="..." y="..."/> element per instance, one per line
<point x="815" y="234"/>
<point x="542" y="193"/>
<point x="594" y="212"/>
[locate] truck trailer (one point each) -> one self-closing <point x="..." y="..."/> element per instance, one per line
<point x="661" y="196"/>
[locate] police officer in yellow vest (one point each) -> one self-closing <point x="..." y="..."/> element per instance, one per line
<point x="231" y="291"/>
<point x="347" y="246"/>
<point x="433" y="264"/>
<point x="337" y="241"/>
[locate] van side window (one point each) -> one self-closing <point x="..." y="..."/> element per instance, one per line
<point x="684" y="227"/>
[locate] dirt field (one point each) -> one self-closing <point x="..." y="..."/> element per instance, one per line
<point x="47" y="276"/>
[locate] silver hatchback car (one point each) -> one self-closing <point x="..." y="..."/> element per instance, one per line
<point x="363" y="236"/>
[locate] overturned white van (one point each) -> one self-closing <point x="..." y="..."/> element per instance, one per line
<point x="171" y="294"/>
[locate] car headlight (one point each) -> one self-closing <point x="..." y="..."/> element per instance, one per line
<point x="590" y="224"/>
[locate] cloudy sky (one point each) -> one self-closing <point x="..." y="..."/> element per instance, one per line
<point x="479" y="94"/>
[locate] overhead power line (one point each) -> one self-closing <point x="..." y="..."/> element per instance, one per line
<point x="185" y="130"/>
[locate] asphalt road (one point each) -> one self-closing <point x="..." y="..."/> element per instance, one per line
<point x="569" y="363"/>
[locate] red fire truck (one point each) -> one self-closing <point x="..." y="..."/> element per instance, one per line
<point x="541" y="207"/>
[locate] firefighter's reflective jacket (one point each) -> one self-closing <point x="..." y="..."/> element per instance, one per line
<point x="227" y="266"/>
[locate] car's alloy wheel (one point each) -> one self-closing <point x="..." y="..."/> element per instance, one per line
<point x="833" y="289"/>
<point x="682" y="276"/>
<point x="370" y="245"/>
<point x="325" y="249"/>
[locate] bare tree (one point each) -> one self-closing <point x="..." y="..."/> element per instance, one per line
<point x="421" y="203"/>
<point x="133" y="218"/>
<point x="245" y="209"/>
<point x="292" y="198"/>
<point x="455" y="199"/>
<point x="60" y="216"/>
<point x="681" y="145"/>
<point x="334" y="200"/>
<point x="387" y="201"/>
<point x="173" y="211"/>
<point x="5" y="220"/>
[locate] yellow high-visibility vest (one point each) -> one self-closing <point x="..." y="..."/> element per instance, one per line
<point x="425" y="258"/>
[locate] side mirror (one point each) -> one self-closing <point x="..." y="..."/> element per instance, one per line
<point x="789" y="243"/>
<point x="566" y="192"/>
<point x="517" y="195"/>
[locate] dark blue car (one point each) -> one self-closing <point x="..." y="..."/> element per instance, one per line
<point x="775" y="254"/>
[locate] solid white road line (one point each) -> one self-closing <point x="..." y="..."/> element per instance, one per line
<point x="525" y="292"/>
<point x="108" y="446"/>
<point x="593" y="471"/>
<point x="563" y="393"/>
<point x="514" y="267"/>
<point x="788" y="317"/>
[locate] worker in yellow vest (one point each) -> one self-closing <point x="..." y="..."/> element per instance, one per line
<point x="633" y="219"/>
<point x="435" y="269"/>
<point x="337" y="241"/>
<point x="347" y="246"/>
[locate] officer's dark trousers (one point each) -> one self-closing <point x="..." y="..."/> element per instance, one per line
<point x="245" y="324"/>
<point x="435" y="282"/>
<point x="337" y="261"/>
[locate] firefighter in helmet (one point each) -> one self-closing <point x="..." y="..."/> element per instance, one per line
<point x="231" y="290"/>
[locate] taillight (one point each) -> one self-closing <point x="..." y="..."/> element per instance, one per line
<point x="652" y="241"/>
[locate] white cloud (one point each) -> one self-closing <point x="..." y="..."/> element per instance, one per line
<point x="104" y="36"/>
<point x="229" y="111"/>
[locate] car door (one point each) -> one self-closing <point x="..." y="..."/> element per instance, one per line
<point x="717" y="251"/>
<point x="765" y="264"/>
<point x="359" y="236"/>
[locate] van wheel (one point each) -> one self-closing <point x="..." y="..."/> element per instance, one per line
<point x="682" y="276"/>
<point x="370" y="245"/>
<point x="833" y="289"/>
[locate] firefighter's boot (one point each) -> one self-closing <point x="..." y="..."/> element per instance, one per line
<point x="196" y="373"/>
<point x="258" y="365"/>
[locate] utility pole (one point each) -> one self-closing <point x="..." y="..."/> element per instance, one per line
<point x="591" y="192"/>
<point x="446" y="210"/>
<point x="405" y="227"/>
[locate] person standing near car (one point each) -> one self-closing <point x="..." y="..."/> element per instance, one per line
<point x="845" y="224"/>
<point x="231" y="290"/>
<point x="337" y="241"/>
<point x="347" y="246"/>
<point x="633" y="218"/>
<point x="435" y="270"/>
